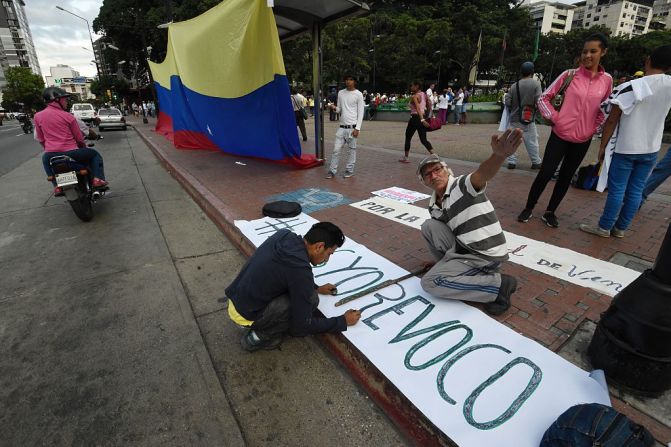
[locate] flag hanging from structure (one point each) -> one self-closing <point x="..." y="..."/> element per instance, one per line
<point x="473" y="74"/>
<point x="223" y="85"/>
<point x="536" y="45"/>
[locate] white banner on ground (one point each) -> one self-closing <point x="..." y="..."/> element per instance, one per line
<point x="401" y="195"/>
<point x="577" y="268"/>
<point x="478" y="381"/>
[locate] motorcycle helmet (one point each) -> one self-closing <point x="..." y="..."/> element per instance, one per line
<point x="53" y="93"/>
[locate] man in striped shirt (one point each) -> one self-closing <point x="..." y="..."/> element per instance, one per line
<point x="464" y="234"/>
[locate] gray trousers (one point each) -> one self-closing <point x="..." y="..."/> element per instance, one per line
<point x="275" y="321"/>
<point x="530" y="136"/>
<point x="343" y="137"/>
<point x="457" y="275"/>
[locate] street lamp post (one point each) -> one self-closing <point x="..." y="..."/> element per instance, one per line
<point x="440" y="60"/>
<point x="372" y="50"/>
<point x="90" y="35"/>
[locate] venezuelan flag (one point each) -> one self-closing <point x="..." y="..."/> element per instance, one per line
<point x="223" y="85"/>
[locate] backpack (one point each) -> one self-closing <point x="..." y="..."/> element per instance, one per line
<point x="282" y="209"/>
<point x="587" y="177"/>
<point x="588" y="425"/>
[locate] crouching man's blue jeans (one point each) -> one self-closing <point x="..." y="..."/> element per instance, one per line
<point x="626" y="178"/>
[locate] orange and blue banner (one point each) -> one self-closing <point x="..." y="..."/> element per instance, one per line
<point x="222" y="85"/>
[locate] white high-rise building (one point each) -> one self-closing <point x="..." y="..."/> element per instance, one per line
<point x="622" y="17"/>
<point x="16" y="42"/>
<point x="661" y="17"/>
<point x="549" y="16"/>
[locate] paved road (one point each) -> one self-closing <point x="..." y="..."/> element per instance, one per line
<point x="15" y="146"/>
<point x="114" y="332"/>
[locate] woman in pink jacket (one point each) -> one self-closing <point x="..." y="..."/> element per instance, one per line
<point x="572" y="126"/>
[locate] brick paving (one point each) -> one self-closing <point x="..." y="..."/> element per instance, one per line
<point x="544" y="308"/>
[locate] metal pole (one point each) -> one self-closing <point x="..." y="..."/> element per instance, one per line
<point x="90" y="36"/>
<point x="440" y="60"/>
<point x="316" y="87"/>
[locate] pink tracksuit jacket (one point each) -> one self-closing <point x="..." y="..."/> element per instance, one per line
<point x="580" y="115"/>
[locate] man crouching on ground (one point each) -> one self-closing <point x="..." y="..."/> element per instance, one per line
<point x="275" y="293"/>
<point x="464" y="234"/>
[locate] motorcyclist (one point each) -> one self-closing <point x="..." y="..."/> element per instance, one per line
<point x="59" y="134"/>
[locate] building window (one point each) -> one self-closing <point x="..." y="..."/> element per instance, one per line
<point x="596" y="18"/>
<point x="589" y="15"/>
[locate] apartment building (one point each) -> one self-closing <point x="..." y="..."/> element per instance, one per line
<point x="661" y="19"/>
<point x="621" y="17"/>
<point x="70" y="80"/>
<point x="549" y="16"/>
<point x="16" y="41"/>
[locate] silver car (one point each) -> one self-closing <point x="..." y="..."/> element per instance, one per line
<point x="111" y="118"/>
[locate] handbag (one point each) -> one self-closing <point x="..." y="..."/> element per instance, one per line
<point x="558" y="100"/>
<point x="434" y="124"/>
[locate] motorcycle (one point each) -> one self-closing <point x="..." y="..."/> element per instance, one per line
<point x="76" y="181"/>
<point x="27" y="125"/>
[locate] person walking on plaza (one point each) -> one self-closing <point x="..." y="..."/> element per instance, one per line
<point x="417" y="122"/>
<point x="443" y="101"/>
<point x="297" y="104"/>
<point x="458" y="104"/>
<point x="350" y="107"/>
<point x="637" y="109"/>
<point x="573" y="125"/>
<point x="661" y="172"/>
<point x="275" y="293"/>
<point x="521" y="102"/>
<point x="464" y="234"/>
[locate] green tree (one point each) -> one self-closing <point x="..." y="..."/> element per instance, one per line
<point x="24" y="89"/>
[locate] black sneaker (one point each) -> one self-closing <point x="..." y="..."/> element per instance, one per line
<point x="502" y="302"/>
<point x="512" y="165"/>
<point x="550" y="219"/>
<point x="250" y="344"/>
<point x="536" y="166"/>
<point x="525" y="215"/>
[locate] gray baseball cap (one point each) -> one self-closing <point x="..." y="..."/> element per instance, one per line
<point x="431" y="159"/>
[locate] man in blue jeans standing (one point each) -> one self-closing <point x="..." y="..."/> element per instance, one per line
<point x="661" y="172"/>
<point x="637" y="110"/>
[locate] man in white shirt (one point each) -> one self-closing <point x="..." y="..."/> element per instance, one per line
<point x="632" y="136"/>
<point x="350" y="106"/>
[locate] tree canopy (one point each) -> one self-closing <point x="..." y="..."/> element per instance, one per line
<point x="400" y="40"/>
<point x="23" y="90"/>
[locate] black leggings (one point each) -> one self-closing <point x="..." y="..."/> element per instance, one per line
<point x="570" y="155"/>
<point x="415" y="125"/>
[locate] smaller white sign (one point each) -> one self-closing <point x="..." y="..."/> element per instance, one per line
<point x="401" y="195"/>
<point x="410" y="215"/>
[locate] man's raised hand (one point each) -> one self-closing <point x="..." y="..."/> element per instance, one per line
<point x="507" y="143"/>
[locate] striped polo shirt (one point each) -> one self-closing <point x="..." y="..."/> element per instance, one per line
<point x="471" y="217"/>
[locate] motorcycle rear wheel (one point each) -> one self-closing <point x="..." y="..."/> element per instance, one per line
<point x="83" y="208"/>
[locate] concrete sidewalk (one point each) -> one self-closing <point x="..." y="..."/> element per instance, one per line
<point x="551" y="311"/>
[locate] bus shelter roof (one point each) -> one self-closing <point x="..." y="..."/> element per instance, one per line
<point x="294" y="17"/>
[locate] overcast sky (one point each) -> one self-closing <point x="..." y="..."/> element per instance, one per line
<point x="59" y="37"/>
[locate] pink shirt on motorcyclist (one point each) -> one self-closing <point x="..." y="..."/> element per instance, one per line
<point x="580" y="115"/>
<point x="57" y="130"/>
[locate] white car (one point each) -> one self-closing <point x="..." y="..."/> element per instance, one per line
<point x="111" y="118"/>
<point x="84" y="111"/>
